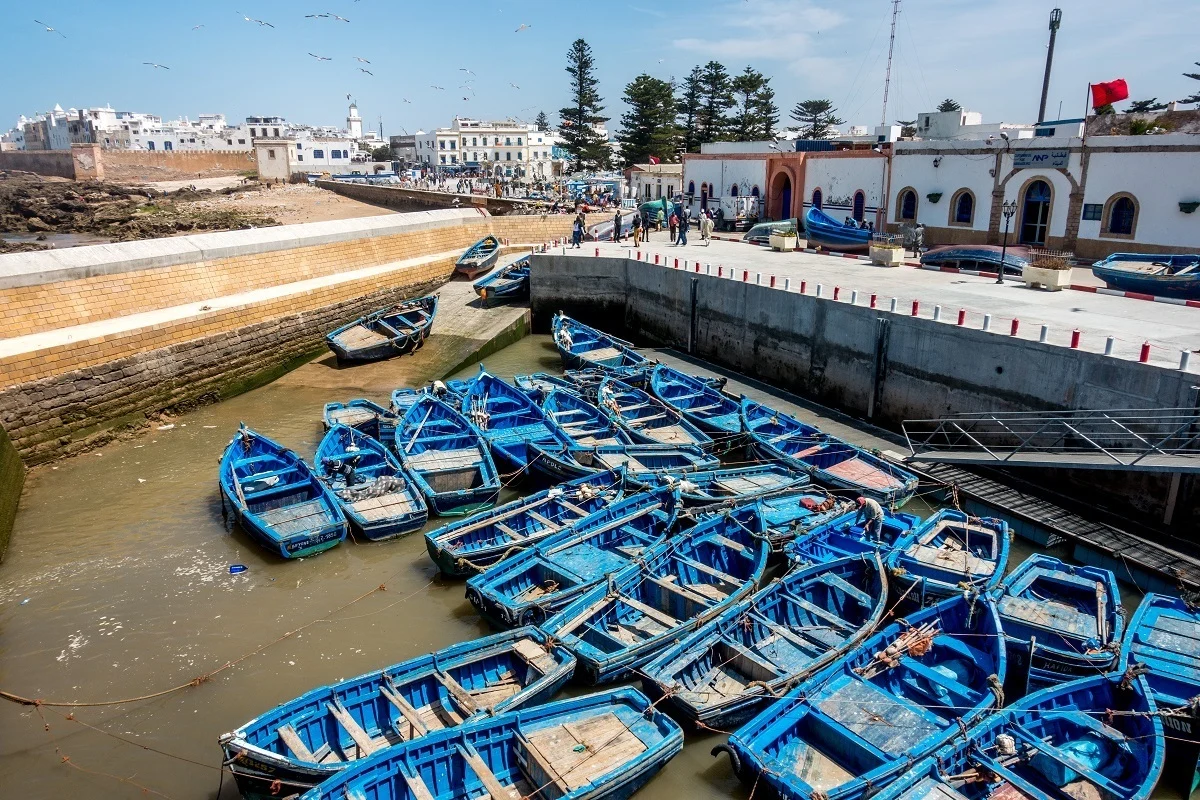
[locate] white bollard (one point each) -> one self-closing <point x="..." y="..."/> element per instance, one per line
<point x="787" y="284"/>
<point x="758" y="278"/>
<point x="987" y="322"/>
<point x="819" y="287"/>
<point x="892" y="307"/>
<point x="1108" y="345"/>
<point x="708" y="269"/>
<point x="1045" y="333"/>
<point x="937" y="313"/>
<point x="854" y="297"/>
<point x="1185" y="360"/>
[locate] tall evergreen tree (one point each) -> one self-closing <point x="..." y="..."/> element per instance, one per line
<point x="587" y="149"/>
<point x="949" y="105"/>
<point x="755" y="114"/>
<point x="816" y="117"/>
<point x="908" y="127"/>
<point x="716" y="98"/>
<point x="1145" y="106"/>
<point x="542" y="121"/>
<point x="687" y="109"/>
<point x="1196" y="77"/>
<point x="648" y="128"/>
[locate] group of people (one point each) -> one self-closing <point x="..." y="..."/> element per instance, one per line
<point x="861" y="224"/>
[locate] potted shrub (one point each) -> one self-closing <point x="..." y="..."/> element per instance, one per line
<point x="933" y="197"/>
<point x="1188" y="206"/>
<point x="784" y="239"/>
<point x="1051" y="272"/>
<point x="887" y="254"/>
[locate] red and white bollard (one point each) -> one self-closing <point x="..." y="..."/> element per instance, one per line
<point x="874" y="300"/>
<point x="597" y="252"/>
<point x="916" y="309"/>
<point x="745" y="276"/>
<point x="1144" y="357"/>
<point x="1075" y="339"/>
<point x="837" y="290"/>
<point x="962" y="316"/>
<point x="720" y="270"/>
<point x="772" y="281"/>
<point x="1016" y="323"/>
<point x="803" y="287"/>
<point x="677" y="263"/>
<point x="656" y="258"/>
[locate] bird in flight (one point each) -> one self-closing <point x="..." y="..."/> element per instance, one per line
<point x="523" y="27"/>
<point x="335" y="16"/>
<point x="405" y="99"/>
<point x="464" y="69"/>
<point x="467" y="99"/>
<point x="156" y="66"/>
<point x="360" y="69"/>
<point x="320" y="58"/>
<point x="260" y="22"/>
<point x="49" y="29"/>
<point x="439" y="88"/>
<point x="513" y="85"/>
<point x="361" y="59"/>
<point x="316" y="16"/>
<point x="661" y="60"/>
<point x="197" y="27"/>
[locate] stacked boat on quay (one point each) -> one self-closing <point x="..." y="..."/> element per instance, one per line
<point x="706" y="548"/>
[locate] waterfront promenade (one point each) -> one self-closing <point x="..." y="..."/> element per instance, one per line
<point x="1169" y="328"/>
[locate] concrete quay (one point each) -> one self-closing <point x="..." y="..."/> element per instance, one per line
<point x="1169" y="328"/>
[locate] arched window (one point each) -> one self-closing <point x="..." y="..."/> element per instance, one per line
<point x="817" y="199"/>
<point x="860" y="205"/>
<point x="754" y="191"/>
<point x="906" y="205"/>
<point x="1120" y="216"/>
<point x="733" y="190"/>
<point x="962" y="208"/>
<point x="691" y="188"/>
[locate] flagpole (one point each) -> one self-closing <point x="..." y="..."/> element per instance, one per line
<point x="1086" y="102"/>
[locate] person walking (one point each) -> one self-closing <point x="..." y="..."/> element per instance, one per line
<point x="577" y="231"/>
<point x="637" y="230"/>
<point x="617" y="227"/>
<point x="673" y="223"/>
<point x="659" y="219"/>
<point x="683" y="229"/>
<point x="706" y="226"/>
<point x="870" y="515"/>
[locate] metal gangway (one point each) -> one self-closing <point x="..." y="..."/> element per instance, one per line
<point x="1147" y="440"/>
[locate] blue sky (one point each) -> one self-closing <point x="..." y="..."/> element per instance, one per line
<point x="988" y="56"/>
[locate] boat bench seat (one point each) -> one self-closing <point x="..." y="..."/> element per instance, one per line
<point x="279" y="488"/>
<point x="838" y="582"/>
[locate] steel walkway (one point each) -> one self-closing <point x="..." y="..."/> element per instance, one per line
<point x="1147" y="440"/>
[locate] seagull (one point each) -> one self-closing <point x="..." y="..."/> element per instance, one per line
<point x="467" y="99"/>
<point x="372" y="74"/>
<point x="464" y="69"/>
<point x="259" y="21"/>
<point x="347" y="97"/>
<point x="320" y="58"/>
<point x="661" y="60"/>
<point x="316" y="16"/>
<point x="49" y="29"/>
<point x="405" y="99"/>
<point x="439" y="88"/>
<point x="513" y="85"/>
<point x="335" y="16"/>
<point x="197" y="27"/>
<point x="156" y="66"/>
<point x="523" y="27"/>
<point x="361" y="59"/>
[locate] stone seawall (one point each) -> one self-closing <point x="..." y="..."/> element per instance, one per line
<point x="12" y="479"/>
<point x="866" y="362"/>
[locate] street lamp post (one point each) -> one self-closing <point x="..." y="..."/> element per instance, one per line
<point x="1008" y="209"/>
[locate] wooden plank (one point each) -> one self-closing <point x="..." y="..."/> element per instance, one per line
<point x="574" y="509"/>
<point x="653" y="613"/>
<point x="549" y="523"/>
<point x="535" y="655"/>
<point x="416" y="785"/>
<point x="497" y="790"/>
<point x="461" y="695"/>
<point x="730" y="543"/>
<point x="544" y="764"/>
<point x="405" y="708"/>
<point x="351" y="727"/>
<point x="292" y="739"/>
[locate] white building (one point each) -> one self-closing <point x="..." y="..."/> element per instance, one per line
<point x="653" y="181"/>
<point x="505" y="149"/>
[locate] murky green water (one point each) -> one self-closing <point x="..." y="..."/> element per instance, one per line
<point x="117" y="585"/>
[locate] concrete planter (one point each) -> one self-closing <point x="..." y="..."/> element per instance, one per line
<point x="887" y="256"/>
<point x="1052" y="280"/>
<point x="784" y="244"/>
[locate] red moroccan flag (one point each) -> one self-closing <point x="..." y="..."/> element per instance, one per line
<point x="1112" y="92"/>
<point x="653" y="159"/>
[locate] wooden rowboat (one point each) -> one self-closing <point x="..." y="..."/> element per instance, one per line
<point x="647" y="419"/>
<point x="363" y="415"/>
<point x="446" y="458"/>
<point x="479" y="258"/>
<point x="950" y="552"/>
<point x="509" y="282"/>
<point x="582" y="346"/>
<point x="392" y="331"/>
<point x="707" y="408"/>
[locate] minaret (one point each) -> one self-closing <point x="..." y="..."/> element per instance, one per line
<point x="354" y="122"/>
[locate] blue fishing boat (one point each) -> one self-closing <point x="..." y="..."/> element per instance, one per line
<point x="510" y="422"/>
<point x="392" y="331"/>
<point x="403" y="399"/>
<point x="605" y="745"/>
<point x="845" y="535"/>
<point x="950" y="552"/>
<point x="853" y="727"/>
<point x="793" y="514"/>
<point x="643" y="461"/>
<point x="376" y="497"/>
<point x="328" y="730"/>
<point x="478" y="258"/>
<point x="984" y="257"/>
<point x="540" y="384"/>
<point x="1094" y="737"/>
<point x="447" y="458"/>
<point x="616" y="627"/>
<point x="832" y="462"/>
<point x="471" y="545"/>
<point x="1060" y="621"/>
<point x="588" y="380"/>
<point x="581" y="346"/>
<point x="733" y="666"/>
<point x="509" y="282"/>
<point x="647" y="419"/>
<point x="1164" y="639"/>
<point x="707" y="408"/>
<point x="277" y="499"/>
<point x="732" y="485"/>
<point x="822" y="230"/>
<point x="585" y="426"/>
<point x="363" y="415"/>
<point x="535" y="584"/>
<point x="1157" y="275"/>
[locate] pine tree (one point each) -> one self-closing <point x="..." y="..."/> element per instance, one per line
<point x="687" y="109"/>
<point x="587" y="149"/>
<point x="542" y="121"/>
<point x="755" y="114"/>
<point x="816" y="118"/>
<point x="908" y="127"/>
<point x="716" y="98"/>
<point x="648" y="128"/>
<point x="1145" y="106"/>
<point x="949" y="105"/>
<point x="1196" y="77"/>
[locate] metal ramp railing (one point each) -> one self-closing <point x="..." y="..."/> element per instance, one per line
<point x="1148" y="440"/>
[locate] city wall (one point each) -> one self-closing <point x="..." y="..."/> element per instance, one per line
<point x="402" y="199"/>
<point x="49" y="163"/>
<point x="868" y="363"/>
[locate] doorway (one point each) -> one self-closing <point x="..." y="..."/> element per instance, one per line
<point x="1035" y="214"/>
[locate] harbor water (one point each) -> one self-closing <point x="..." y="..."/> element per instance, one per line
<point x="117" y="584"/>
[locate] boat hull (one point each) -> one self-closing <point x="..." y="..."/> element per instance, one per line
<point x="822" y="230"/>
<point x="374" y="338"/>
<point x="1167" y="284"/>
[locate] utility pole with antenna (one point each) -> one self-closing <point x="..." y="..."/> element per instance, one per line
<point x="381" y="127"/>
<point x="887" y="80"/>
<point x="1055" y="21"/>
